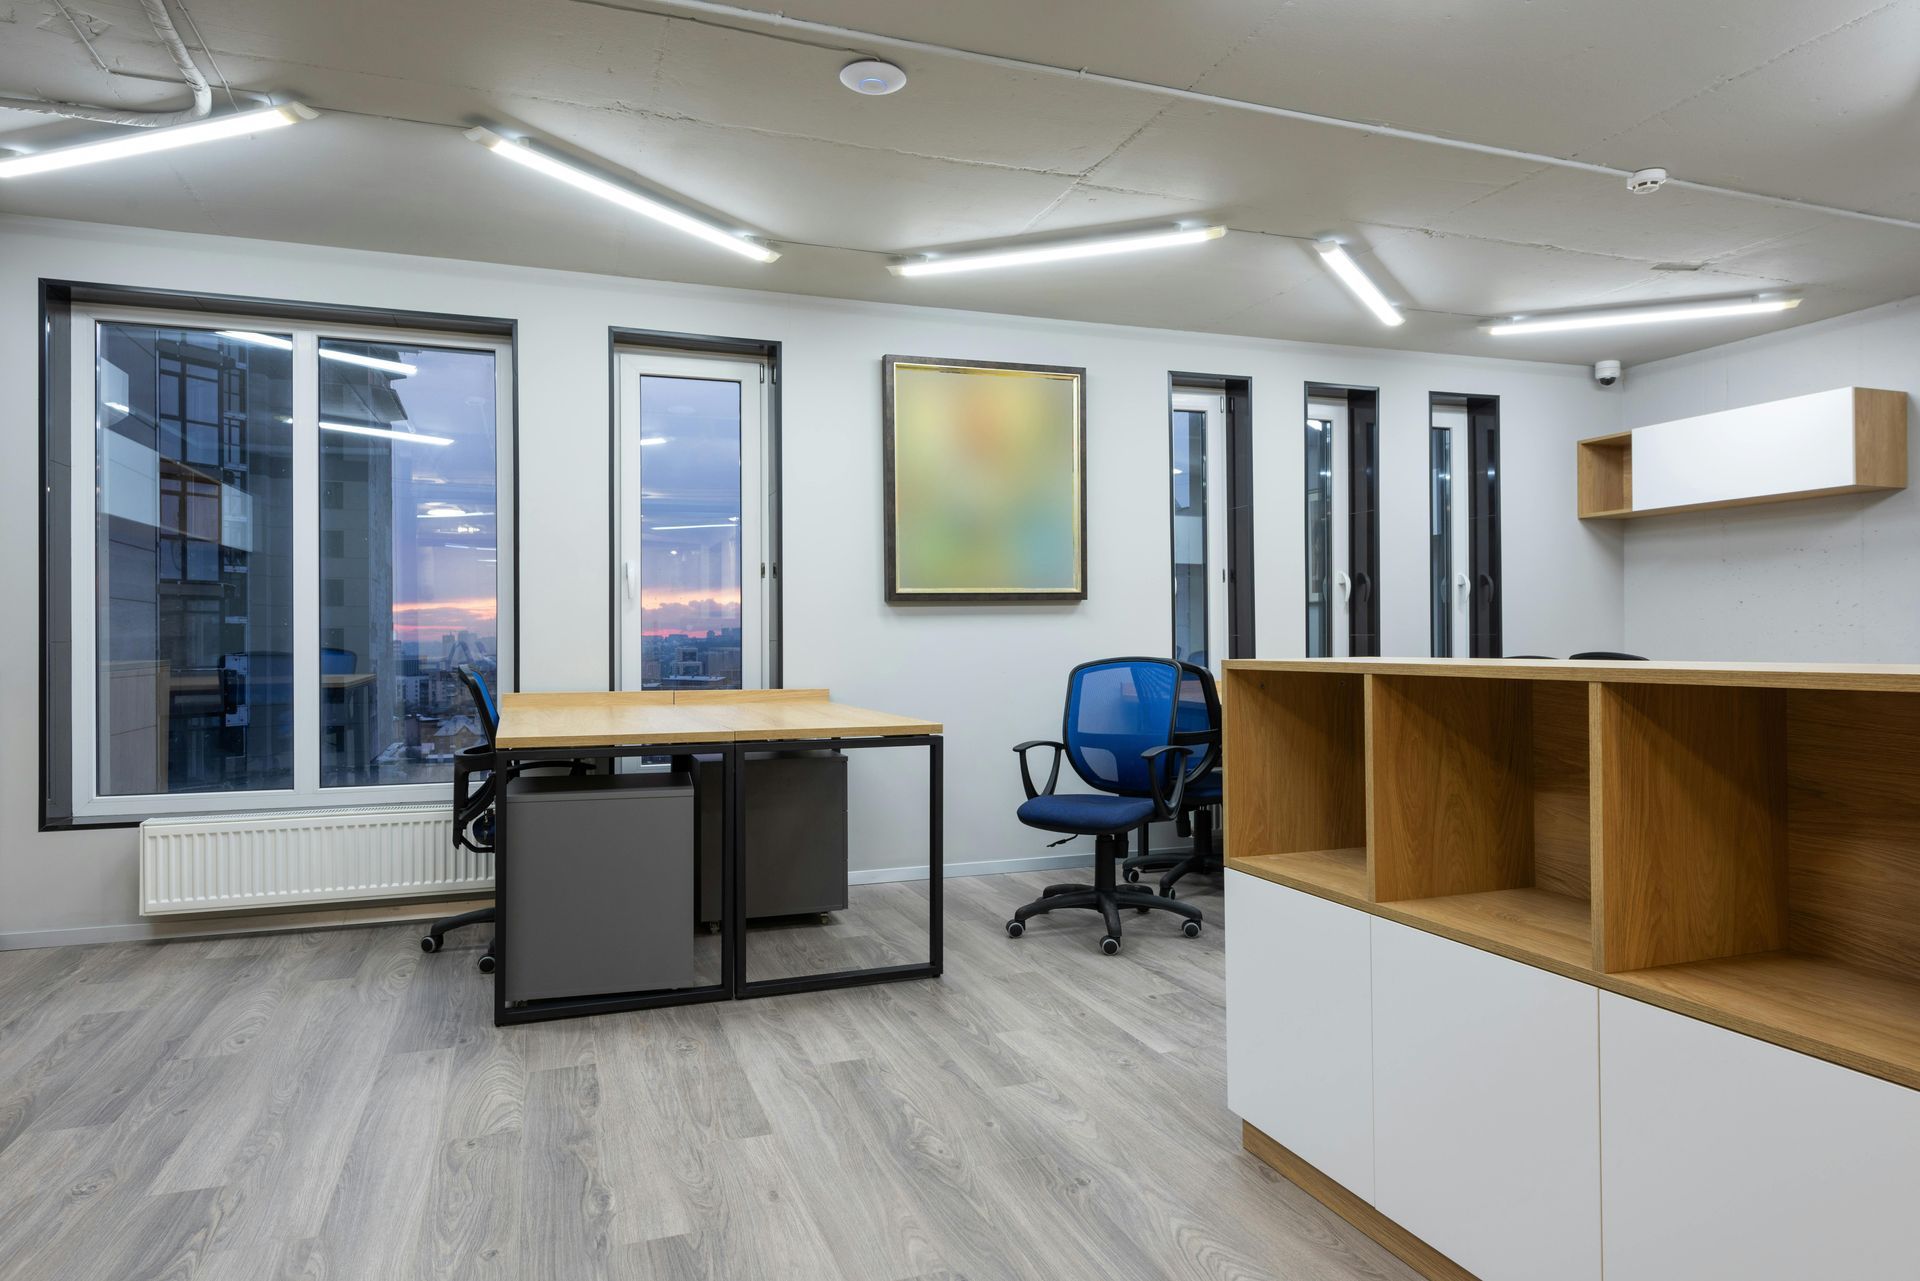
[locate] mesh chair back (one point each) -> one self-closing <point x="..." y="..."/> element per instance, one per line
<point x="1117" y="708"/>
<point x="482" y="700"/>
<point x="1198" y="715"/>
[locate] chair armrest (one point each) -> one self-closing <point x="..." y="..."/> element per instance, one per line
<point x="1053" y="775"/>
<point x="1165" y="806"/>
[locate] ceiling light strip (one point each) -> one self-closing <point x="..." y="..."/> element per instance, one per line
<point x="1566" y="322"/>
<point x="939" y="264"/>
<point x="853" y="37"/>
<point x="1358" y="282"/>
<point x="148" y="141"/>
<point x="521" y="153"/>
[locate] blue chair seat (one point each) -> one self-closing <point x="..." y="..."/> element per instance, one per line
<point x="1086" y="814"/>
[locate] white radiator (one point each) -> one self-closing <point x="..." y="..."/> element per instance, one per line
<point x="263" y="861"/>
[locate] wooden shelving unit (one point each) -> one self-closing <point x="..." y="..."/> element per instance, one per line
<point x="1738" y="843"/>
<point x="1849" y="440"/>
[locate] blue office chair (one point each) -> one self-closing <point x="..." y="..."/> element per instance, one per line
<point x="476" y="788"/>
<point x="1121" y="737"/>
<point x="1197" y="725"/>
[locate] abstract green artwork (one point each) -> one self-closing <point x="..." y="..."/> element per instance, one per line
<point x="985" y="481"/>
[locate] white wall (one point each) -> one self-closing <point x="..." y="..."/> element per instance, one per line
<point x="993" y="675"/>
<point x="1820" y="580"/>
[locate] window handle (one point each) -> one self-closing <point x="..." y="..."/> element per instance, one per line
<point x="1346" y="586"/>
<point x="1465" y="585"/>
<point x="630" y="577"/>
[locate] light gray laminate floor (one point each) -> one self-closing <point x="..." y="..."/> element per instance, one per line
<point x="338" y="1105"/>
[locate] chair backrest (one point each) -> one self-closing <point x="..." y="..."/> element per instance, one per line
<point x="1198" y="715"/>
<point x="1118" y="708"/>
<point x="482" y="700"/>
<point x="1607" y="654"/>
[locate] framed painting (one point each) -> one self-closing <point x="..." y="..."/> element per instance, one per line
<point x="986" y="484"/>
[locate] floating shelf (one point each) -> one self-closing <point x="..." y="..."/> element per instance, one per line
<point x="1847" y="441"/>
<point x="1739" y="843"/>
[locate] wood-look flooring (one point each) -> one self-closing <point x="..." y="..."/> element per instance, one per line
<point x="338" y="1105"/>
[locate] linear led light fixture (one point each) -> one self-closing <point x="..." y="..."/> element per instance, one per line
<point x="593" y="184"/>
<point x="143" y="141"/>
<point x="400" y="367"/>
<point x="1054" y="251"/>
<point x="385" y="433"/>
<point x="1758" y="305"/>
<point x="1358" y="283"/>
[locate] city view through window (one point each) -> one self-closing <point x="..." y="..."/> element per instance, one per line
<point x="691" y="559"/>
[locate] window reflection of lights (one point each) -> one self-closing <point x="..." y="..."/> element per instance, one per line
<point x="387" y="433"/>
<point x="116" y="406"/>
<point x="439" y="511"/>
<point x="649" y="441"/>
<point x="659" y="528"/>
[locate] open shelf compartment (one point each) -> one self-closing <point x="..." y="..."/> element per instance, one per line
<point x="1294" y="763"/>
<point x="1758" y="859"/>
<point x="1479" y="811"/>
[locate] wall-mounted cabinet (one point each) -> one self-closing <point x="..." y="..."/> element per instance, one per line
<point x="1846" y="441"/>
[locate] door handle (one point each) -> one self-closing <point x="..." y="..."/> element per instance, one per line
<point x="1465" y="585"/>
<point x="1346" y="586"/>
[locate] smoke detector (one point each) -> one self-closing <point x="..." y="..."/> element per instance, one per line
<point x="872" y="77"/>
<point x="1646" y="181"/>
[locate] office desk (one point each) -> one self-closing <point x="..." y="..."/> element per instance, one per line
<point x="544" y="728"/>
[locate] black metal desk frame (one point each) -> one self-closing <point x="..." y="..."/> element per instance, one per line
<point x="733" y="984"/>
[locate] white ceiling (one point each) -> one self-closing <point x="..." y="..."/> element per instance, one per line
<point x="1809" y="99"/>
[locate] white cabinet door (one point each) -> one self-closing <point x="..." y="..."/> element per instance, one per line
<point x="1729" y="1159"/>
<point x="1299" y="1039"/>
<point x="1486" y="1108"/>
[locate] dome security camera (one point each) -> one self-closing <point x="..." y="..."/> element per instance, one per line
<point x="1606" y="372"/>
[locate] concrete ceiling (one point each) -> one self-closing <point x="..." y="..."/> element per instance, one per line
<point x="1812" y="101"/>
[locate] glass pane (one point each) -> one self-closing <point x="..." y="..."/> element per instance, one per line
<point x="1440" y="540"/>
<point x="408" y="557"/>
<point x="1190" y="536"/>
<point x="690" y="548"/>
<point x="1319" y="538"/>
<point x="194" y="573"/>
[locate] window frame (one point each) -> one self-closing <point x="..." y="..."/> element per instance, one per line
<point x="85" y="804"/>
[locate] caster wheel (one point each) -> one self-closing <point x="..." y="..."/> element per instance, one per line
<point x="1168" y="893"/>
<point x="429" y="944"/>
<point x="1110" y="945"/>
<point x="1133" y="875"/>
<point x="1191" y="929"/>
<point x="1015" y="929"/>
<point x="1140" y="911"/>
<point x="826" y="918"/>
<point x="486" y="964"/>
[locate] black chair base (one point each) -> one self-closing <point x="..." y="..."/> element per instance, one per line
<point x="1201" y="858"/>
<point x="1105" y="897"/>
<point x="436" y="935"/>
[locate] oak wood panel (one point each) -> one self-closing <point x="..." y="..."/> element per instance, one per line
<point x="609" y="719"/>
<point x="1340" y="875"/>
<point x="1840" y="1013"/>
<point x="1893" y="678"/>
<point x="750" y="695"/>
<point x="1293" y="762"/>
<point x="1691" y="825"/>
<point x="609" y="723"/>
<point x="1853" y="829"/>
<point x="1562" y="818"/>
<point x="1406" y="1247"/>
<point x="1605" y="475"/>
<point x="813" y="719"/>
<point x="1880" y="438"/>
<point x="1551" y="931"/>
<point x="1448" y="787"/>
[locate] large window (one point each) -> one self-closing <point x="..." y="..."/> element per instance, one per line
<point x="288" y="545"/>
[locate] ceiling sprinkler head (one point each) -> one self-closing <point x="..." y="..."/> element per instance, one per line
<point x="872" y="77"/>
<point x="1645" y="181"/>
